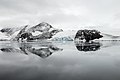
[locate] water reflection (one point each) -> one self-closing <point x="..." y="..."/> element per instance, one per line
<point x="41" y="50"/>
<point x="66" y="65"/>
<point x="86" y="46"/>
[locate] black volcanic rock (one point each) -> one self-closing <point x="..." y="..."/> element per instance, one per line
<point x="88" y="35"/>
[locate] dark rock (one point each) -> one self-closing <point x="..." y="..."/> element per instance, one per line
<point x="42" y="27"/>
<point x="46" y="35"/>
<point x="22" y="31"/>
<point x="5" y="30"/>
<point x="88" y="35"/>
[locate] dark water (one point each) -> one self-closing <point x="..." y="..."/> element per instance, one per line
<point x="60" y="61"/>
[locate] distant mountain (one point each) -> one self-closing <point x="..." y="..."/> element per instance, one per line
<point x="109" y="37"/>
<point x="67" y="35"/>
<point x="20" y="34"/>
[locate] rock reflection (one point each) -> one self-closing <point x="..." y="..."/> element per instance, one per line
<point x="6" y="49"/>
<point x="40" y="50"/>
<point x="44" y="51"/>
<point x="87" y="46"/>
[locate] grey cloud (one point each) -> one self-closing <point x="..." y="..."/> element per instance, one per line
<point x="63" y="12"/>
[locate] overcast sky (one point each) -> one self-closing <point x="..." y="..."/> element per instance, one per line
<point x="65" y="14"/>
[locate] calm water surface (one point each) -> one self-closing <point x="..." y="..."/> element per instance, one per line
<point x="60" y="61"/>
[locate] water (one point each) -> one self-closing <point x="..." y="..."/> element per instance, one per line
<point x="60" y="61"/>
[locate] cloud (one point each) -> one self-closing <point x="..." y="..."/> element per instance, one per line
<point x="65" y="13"/>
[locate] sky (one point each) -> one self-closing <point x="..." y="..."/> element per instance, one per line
<point x="65" y="14"/>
